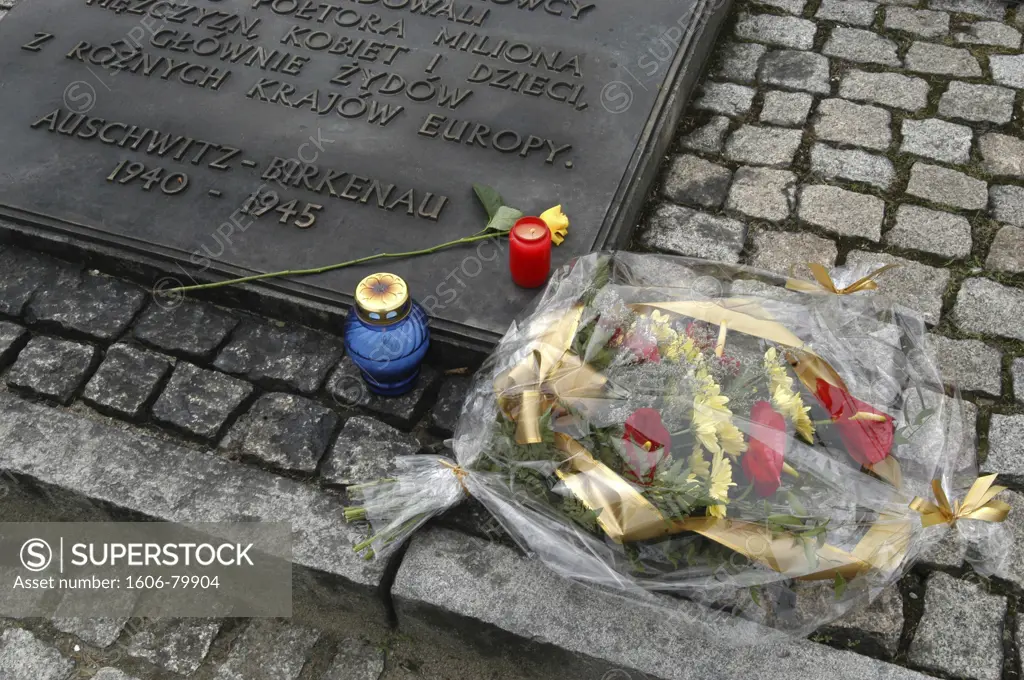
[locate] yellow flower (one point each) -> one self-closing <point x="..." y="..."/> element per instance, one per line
<point x="721" y="480"/>
<point x="699" y="466"/>
<point x="785" y="398"/>
<point x="660" y="317"/>
<point x="731" y="438"/>
<point x="558" y="223"/>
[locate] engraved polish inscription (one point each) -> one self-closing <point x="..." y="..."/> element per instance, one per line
<point x="245" y="136"/>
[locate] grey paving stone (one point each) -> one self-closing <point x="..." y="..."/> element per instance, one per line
<point x="12" y="338"/>
<point x="483" y="590"/>
<point x="889" y="89"/>
<point x="1007" y="69"/>
<point x="912" y="284"/>
<point x="925" y="57"/>
<point x="990" y="33"/>
<point x="978" y="103"/>
<point x="787" y="253"/>
<point x="1007" y="251"/>
<point x="110" y="673"/>
<point x="198" y="401"/>
<point x="681" y="231"/>
<point x="365" y="451"/>
<point x="947" y="187"/>
<point x="984" y="306"/>
<point x="763" y="193"/>
<point x="931" y="231"/>
<point x="838" y="120"/>
<point x="937" y="139"/>
<point x="949" y="552"/>
<point x="738" y="62"/>
<point x="989" y="9"/>
<point x="762" y="145"/>
<point x="175" y="645"/>
<point x="89" y="304"/>
<point x="1002" y="154"/>
<point x="268" y="650"/>
<point x="842" y="212"/>
<point x="21" y="274"/>
<point x="22" y="656"/>
<point x="791" y="6"/>
<point x="786" y="108"/>
<point x="1007" y="204"/>
<point x="961" y="630"/>
<point x="135" y="472"/>
<point x="1005" y="447"/>
<point x="52" y="368"/>
<point x="923" y="22"/>
<point x="694" y="181"/>
<point x="190" y="329"/>
<point x="796" y="70"/>
<point x="284" y="431"/>
<point x="709" y="137"/>
<point x="126" y="381"/>
<point x="348" y="390"/>
<point x="356" y="660"/>
<point x="970" y="365"/>
<point x="855" y="44"/>
<point x="851" y="165"/>
<point x="1013" y="570"/>
<point x="853" y="12"/>
<point x="101" y="632"/>
<point x="1017" y="371"/>
<point x="726" y="98"/>
<point x="777" y="30"/>
<point x="280" y="357"/>
<point x="445" y="414"/>
<point x="880" y="622"/>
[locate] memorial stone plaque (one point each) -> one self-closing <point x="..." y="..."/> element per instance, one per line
<point x="222" y="138"/>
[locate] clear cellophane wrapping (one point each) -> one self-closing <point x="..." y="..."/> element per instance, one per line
<point x="670" y="426"/>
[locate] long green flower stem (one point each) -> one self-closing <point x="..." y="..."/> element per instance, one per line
<point x="341" y="265"/>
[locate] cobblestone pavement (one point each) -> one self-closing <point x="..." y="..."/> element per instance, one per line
<point x="835" y="131"/>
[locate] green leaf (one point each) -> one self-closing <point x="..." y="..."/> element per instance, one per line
<point x="795" y="504"/>
<point x="504" y="219"/>
<point x="840" y="585"/>
<point x="755" y="595"/>
<point x="924" y="415"/>
<point x="490" y="199"/>
<point x="811" y="553"/>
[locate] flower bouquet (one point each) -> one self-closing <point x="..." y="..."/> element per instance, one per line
<point x="711" y="431"/>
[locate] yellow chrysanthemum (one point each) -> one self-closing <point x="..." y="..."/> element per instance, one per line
<point x="721" y="480"/>
<point x="785" y="399"/>
<point x="558" y="223"/>
<point x="699" y="466"/>
<point x="704" y="426"/>
<point x="731" y="439"/>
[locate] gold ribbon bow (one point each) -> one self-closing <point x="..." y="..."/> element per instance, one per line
<point x="825" y="282"/>
<point x="980" y="503"/>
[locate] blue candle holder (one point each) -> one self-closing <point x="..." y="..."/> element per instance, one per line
<point x="386" y="334"/>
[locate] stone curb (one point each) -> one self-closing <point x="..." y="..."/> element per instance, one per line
<point x="463" y="590"/>
<point x="75" y="458"/>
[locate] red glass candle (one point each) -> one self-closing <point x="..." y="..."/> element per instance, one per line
<point x="530" y="252"/>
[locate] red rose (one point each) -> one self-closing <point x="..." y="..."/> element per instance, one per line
<point x="866" y="431"/>
<point x="647" y="443"/>
<point x="762" y="462"/>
